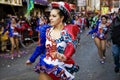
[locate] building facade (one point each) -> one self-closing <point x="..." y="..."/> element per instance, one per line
<point x="10" y="7"/>
<point x="19" y="7"/>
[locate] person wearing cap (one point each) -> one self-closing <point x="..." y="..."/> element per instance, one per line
<point x="114" y="35"/>
<point x="61" y="41"/>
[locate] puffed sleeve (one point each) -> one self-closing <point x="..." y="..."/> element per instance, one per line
<point x="73" y="31"/>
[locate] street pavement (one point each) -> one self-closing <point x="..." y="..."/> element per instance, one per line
<point x="86" y="57"/>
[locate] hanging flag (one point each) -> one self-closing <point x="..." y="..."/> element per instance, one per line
<point x="30" y="5"/>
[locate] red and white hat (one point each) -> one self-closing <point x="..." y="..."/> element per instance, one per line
<point x="63" y="6"/>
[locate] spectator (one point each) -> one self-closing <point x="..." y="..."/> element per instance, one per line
<point x="3" y="39"/>
<point x="114" y="35"/>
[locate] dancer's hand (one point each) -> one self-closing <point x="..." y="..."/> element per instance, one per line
<point x="61" y="57"/>
<point x="28" y="62"/>
<point x="53" y="54"/>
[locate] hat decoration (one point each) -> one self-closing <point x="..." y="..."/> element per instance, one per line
<point x="63" y="6"/>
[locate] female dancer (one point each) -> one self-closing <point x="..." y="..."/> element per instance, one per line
<point x="100" y="34"/>
<point x="13" y="35"/>
<point x="40" y="48"/>
<point x="61" y="40"/>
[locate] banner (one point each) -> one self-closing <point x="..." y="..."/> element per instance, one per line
<point x="12" y="2"/>
<point x="104" y="10"/>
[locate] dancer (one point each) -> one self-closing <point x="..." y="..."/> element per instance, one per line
<point x="13" y="35"/>
<point x="100" y="35"/>
<point x="61" y="40"/>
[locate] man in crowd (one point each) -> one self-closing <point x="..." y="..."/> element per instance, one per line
<point x="114" y="35"/>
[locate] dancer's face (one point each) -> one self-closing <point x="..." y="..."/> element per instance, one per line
<point x="55" y="18"/>
<point x="104" y="20"/>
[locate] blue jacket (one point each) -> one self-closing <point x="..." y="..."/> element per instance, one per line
<point x="40" y="49"/>
<point x="95" y="29"/>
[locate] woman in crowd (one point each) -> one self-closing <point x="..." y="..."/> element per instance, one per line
<point x="61" y="41"/>
<point x="13" y="35"/>
<point x="100" y="34"/>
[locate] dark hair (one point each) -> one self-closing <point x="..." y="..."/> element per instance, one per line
<point x="106" y="17"/>
<point x="62" y="13"/>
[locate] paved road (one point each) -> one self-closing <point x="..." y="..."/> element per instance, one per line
<point x="86" y="56"/>
<point x="90" y="67"/>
